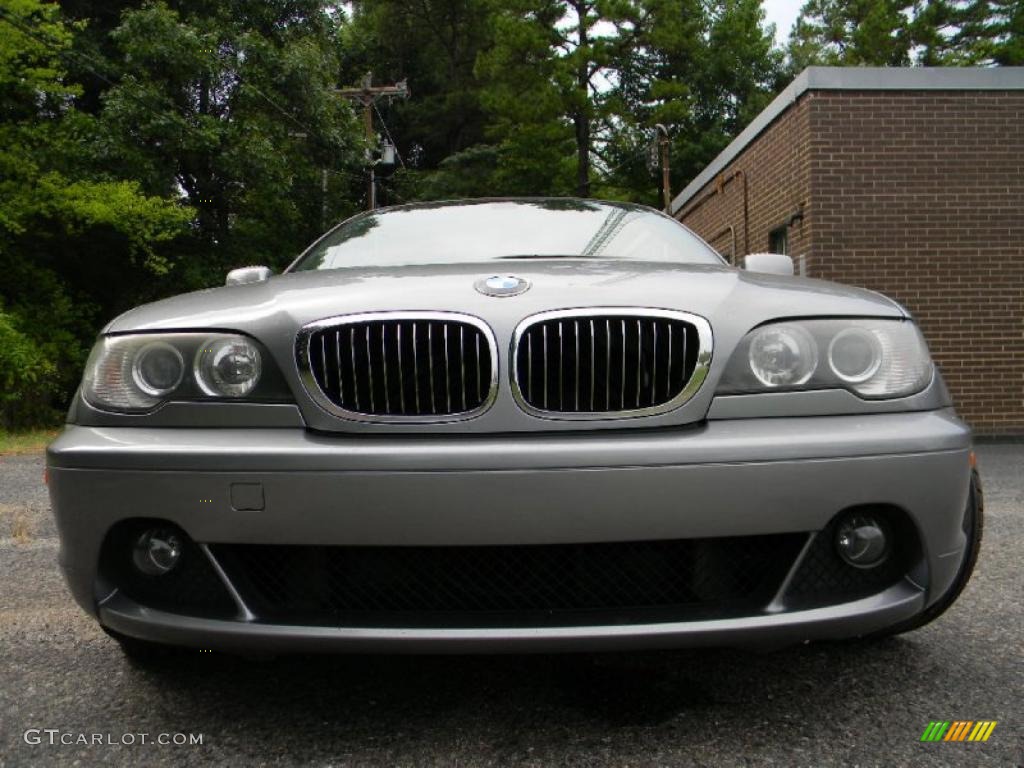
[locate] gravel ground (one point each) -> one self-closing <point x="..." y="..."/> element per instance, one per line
<point x="859" y="704"/>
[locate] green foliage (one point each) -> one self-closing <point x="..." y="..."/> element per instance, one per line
<point x="232" y="105"/>
<point x="550" y="89"/>
<point x="26" y="378"/>
<point x="986" y="32"/>
<point x="26" y="441"/>
<point x="67" y="237"/>
<point x="469" y="173"/>
<point x="852" y="32"/>
<point x="433" y="45"/>
<point x="896" y="33"/>
<point x="703" y="70"/>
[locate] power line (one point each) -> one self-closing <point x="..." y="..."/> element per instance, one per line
<point x="308" y="131"/>
<point x="628" y="159"/>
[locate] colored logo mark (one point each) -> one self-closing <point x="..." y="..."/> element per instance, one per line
<point x="958" y="730"/>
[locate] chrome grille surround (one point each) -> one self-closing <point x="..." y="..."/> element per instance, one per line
<point x="690" y="384"/>
<point x="434" y="322"/>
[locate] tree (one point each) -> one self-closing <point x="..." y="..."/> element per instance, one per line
<point x="851" y="33"/>
<point x="549" y="88"/>
<point x="927" y="32"/>
<point x="704" y="70"/>
<point x="433" y="45"/>
<point x="989" y="32"/>
<point x="69" y="237"/>
<point x="564" y="95"/>
<point x="233" y="107"/>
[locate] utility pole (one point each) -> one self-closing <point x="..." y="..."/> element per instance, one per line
<point x="368" y="94"/>
<point x="663" y="145"/>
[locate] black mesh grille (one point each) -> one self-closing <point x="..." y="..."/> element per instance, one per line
<point x="606" y="363"/>
<point x="402" y="367"/>
<point x="192" y="587"/>
<point x="510" y="586"/>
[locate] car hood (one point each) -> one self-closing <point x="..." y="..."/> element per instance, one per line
<point x="719" y="293"/>
<point x="732" y="301"/>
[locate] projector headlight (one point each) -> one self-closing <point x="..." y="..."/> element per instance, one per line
<point x="782" y="355"/>
<point x="871" y="358"/>
<point x="855" y="355"/>
<point x="157" y="368"/>
<point x="135" y="373"/>
<point x="228" y="366"/>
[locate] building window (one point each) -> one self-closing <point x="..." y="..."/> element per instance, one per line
<point x="778" y="240"/>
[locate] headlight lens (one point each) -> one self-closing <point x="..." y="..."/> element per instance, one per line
<point x="872" y="358"/>
<point x="228" y="366"/>
<point x="782" y="355"/>
<point x="157" y="368"/>
<point x="855" y="354"/>
<point x="108" y="382"/>
<point x="136" y="373"/>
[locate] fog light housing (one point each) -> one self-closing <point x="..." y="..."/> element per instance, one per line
<point x="863" y="540"/>
<point x="157" y="551"/>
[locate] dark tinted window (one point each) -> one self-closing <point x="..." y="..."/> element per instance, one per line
<point x="448" y="233"/>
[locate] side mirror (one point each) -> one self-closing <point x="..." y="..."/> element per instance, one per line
<point x="770" y="263"/>
<point x="244" y="275"/>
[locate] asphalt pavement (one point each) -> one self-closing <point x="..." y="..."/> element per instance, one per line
<point x="865" y="704"/>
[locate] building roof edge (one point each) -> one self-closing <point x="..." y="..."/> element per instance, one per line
<point x="855" y="79"/>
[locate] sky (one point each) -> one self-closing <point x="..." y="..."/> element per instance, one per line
<point x="782" y="13"/>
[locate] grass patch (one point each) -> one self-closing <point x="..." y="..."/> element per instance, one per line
<point x="21" y="530"/>
<point x="29" y="441"/>
<point x="15" y="522"/>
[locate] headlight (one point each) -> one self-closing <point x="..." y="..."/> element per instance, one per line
<point x="872" y="358"/>
<point x="782" y="355"/>
<point x="138" y="372"/>
<point x="228" y="366"/>
<point x="157" y="368"/>
<point x="855" y="355"/>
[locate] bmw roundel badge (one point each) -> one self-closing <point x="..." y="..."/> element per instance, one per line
<point x="502" y="285"/>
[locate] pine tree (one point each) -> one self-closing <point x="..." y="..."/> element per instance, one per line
<point x="704" y="70"/>
<point x="549" y="89"/>
<point x="990" y="32"/>
<point x="851" y="33"/>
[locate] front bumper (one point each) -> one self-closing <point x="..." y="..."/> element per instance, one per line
<point x="745" y="477"/>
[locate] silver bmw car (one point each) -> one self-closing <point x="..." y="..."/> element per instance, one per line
<point x="513" y="425"/>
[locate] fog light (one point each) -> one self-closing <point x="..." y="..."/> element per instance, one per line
<point x="862" y="540"/>
<point x="157" y="551"/>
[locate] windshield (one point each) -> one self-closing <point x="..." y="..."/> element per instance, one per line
<point x="453" y="233"/>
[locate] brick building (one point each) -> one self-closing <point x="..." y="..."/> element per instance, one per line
<point x="905" y="181"/>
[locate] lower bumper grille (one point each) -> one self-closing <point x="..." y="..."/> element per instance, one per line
<point x="572" y="584"/>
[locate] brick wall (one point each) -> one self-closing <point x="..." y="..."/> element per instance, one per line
<point x="775" y="171"/>
<point x="918" y="194"/>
